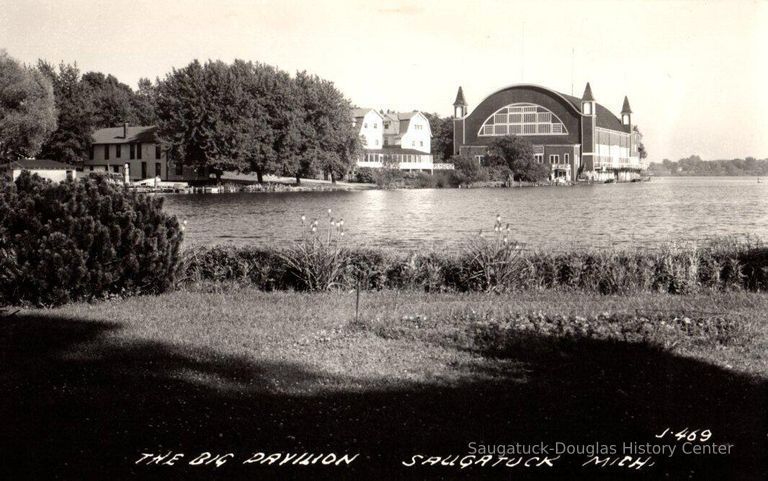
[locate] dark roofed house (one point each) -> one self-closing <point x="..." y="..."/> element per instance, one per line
<point x="133" y="152"/>
<point x="572" y="136"/>
<point x="47" y="169"/>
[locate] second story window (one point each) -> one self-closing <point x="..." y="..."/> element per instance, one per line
<point x="90" y="153"/>
<point x="118" y="149"/>
<point x="138" y="151"/>
<point x="158" y="152"/>
<point x="106" y="151"/>
<point x="133" y="151"/>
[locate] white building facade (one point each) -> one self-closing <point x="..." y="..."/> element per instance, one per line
<point x="400" y="140"/>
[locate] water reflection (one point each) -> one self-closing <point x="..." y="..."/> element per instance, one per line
<point x="639" y="214"/>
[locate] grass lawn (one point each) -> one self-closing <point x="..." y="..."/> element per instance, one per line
<point x="91" y="386"/>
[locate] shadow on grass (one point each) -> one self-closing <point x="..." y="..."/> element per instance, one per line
<point x="74" y="416"/>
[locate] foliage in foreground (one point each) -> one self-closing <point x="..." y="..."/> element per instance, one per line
<point x="494" y="264"/>
<point x="82" y="239"/>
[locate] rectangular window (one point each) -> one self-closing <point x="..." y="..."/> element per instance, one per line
<point x="90" y="153"/>
<point x="500" y="118"/>
<point x="557" y="128"/>
<point x="158" y="171"/>
<point x="143" y="170"/>
<point x="515" y="118"/>
<point x="116" y="169"/>
<point x="132" y="151"/>
<point x="488" y="130"/>
<point x="567" y="158"/>
<point x="529" y="128"/>
<point x="500" y="130"/>
<point x="138" y="151"/>
<point x="545" y="128"/>
<point x="158" y="152"/>
<point x="118" y="150"/>
<point x="554" y="159"/>
<point x="546" y="117"/>
<point x="515" y="129"/>
<point x="539" y="158"/>
<point x="179" y="168"/>
<point x="531" y="108"/>
<point x="106" y="151"/>
<point x="529" y="117"/>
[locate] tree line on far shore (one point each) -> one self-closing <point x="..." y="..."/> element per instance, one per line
<point x="695" y="165"/>
<point x="242" y="116"/>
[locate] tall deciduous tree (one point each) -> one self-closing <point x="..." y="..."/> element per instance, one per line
<point x="113" y="101"/>
<point x="71" y="140"/>
<point x="27" y="109"/>
<point x="517" y="154"/>
<point x="330" y="142"/>
<point x="267" y="117"/>
<point x="442" y="136"/>
<point x="144" y="103"/>
<point x="199" y="109"/>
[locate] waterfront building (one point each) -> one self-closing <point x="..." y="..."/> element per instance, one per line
<point x="575" y="137"/>
<point x="401" y="140"/>
<point x="47" y="169"/>
<point x="371" y="126"/>
<point x="133" y="152"/>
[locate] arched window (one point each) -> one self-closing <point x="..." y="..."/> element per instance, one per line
<point x="522" y="119"/>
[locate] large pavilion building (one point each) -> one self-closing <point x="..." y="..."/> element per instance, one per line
<point x="575" y="137"/>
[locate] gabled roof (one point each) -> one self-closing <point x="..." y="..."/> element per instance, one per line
<point x="460" y="98"/>
<point x="360" y="112"/>
<point x="36" y="164"/>
<point x="131" y="134"/>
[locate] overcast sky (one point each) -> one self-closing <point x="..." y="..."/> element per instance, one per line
<point x="696" y="72"/>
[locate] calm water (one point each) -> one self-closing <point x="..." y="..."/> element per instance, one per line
<point x="638" y="214"/>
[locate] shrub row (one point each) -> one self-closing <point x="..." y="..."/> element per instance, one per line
<point x="491" y="266"/>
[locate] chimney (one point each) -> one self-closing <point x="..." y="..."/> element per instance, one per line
<point x="125" y="130"/>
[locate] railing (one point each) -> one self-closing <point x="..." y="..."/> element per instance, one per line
<point x="618" y="163"/>
<point x="408" y="165"/>
<point x="373" y="165"/>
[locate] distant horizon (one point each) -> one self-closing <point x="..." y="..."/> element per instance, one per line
<point x="694" y="72"/>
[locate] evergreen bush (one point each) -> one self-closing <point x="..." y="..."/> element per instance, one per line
<point x="82" y="239"/>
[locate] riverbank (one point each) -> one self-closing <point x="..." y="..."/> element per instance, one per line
<point x="235" y="370"/>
